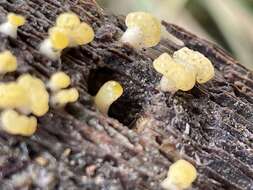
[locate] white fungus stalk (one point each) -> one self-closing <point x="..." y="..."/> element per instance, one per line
<point x="143" y="30"/>
<point x="46" y="48"/>
<point x="10" y="27"/>
<point x="133" y="36"/>
<point x="167" y="85"/>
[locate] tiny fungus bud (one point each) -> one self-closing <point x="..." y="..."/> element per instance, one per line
<point x="37" y="93"/>
<point x="59" y="80"/>
<point x="107" y="94"/>
<point x="12" y="96"/>
<point x="15" y="124"/>
<point x="177" y="76"/>
<point x="180" y="176"/>
<point x="62" y="97"/>
<point x="68" y="20"/>
<point x="205" y="69"/>
<point x="8" y="62"/>
<point x="144" y="30"/>
<point x="11" y="25"/>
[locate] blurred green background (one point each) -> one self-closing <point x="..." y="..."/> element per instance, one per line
<point x="226" y="22"/>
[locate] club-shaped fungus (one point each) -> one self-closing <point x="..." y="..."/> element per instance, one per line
<point x="180" y="176"/>
<point x="37" y="94"/>
<point x="143" y="30"/>
<point x="12" y="96"/>
<point x="177" y="76"/>
<point x="8" y="62"/>
<point x="68" y="20"/>
<point x="205" y="69"/>
<point x="15" y="124"/>
<point x="69" y="31"/>
<point x="59" y="80"/>
<point x="107" y="94"/>
<point x="11" y="25"/>
<point x="63" y="97"/>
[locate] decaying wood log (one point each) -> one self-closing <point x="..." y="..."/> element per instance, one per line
<point x="79" y="148"/>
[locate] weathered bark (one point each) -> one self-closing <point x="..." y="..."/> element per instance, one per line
<point x="211" y="125"/>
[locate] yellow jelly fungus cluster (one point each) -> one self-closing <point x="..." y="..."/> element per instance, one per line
<point x="27" y="95"/>
<point x="69" y="31"/>
<point x="12" y="96"/>
<point x="8" y="62"/>
<point x="181" y="71"/>
<point x="107" y="94"/>
<point x="144" y="30"/>
<point x="37" y="94"/>
<point x="11" y="25"/>
<point x="17" y="124"/>
<point x="180" y="176"/>
<point x="61" y="96"/>
<point x="204" y="67"/>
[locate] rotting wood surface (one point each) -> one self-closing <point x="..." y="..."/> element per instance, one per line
<point x="210" y="126"/>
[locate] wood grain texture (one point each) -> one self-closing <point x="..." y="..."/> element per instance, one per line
<point x="146" y="130"/>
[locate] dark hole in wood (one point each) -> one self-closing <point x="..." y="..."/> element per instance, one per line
<point x="127" y="108"/>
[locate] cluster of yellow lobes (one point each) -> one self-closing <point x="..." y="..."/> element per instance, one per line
<point x="28" y="95"/>
<point x="58" y="84"/>
<point x="22" y="95"/>
<point x="180" y="176"/>
<point x="69" y="31"/>
<point x="181" y="71"/>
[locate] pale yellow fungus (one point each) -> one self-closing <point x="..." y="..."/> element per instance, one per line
<point x="62" y="97"/>
<point x="58" y="38"/>
<point x="15" y="124"/>
<point x="108" y="94"/>
<point x="204" y="67"/>
<point x="15" y="19"/>
<point x="180" y="176"/>
<point x="178" y="76"/>
<point x="11" y="25"/>
<point x="68" y="32"/>
<point x="37" y="94"/>
<point x="144" y="30"/>
<point x="59" y="80"/>
<point x="8" y="62"/>
<point x="12" y="96"/>
<point x="68" y="20"/>
<point x="82" y="34"/>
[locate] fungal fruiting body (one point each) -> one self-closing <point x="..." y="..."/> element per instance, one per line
<point x="181" y="71"/>
<point x="62" y="97"/>
<point x="11" y="25"/>
<point x="12" y="96"/>
<point x="59" y="80"/>
<point x="176" y="76"/>
<point x="58" y="83"/>
<point x="180" y="176"/>
<point x="69" y="31"/>
<point x="37" y="94"/>
<point x="16" y="124"/>
<point x="107" y="94"/>
<point x="204" y="67"/>
<point x="8" y="62"/>
<point x="144" y="30"/>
